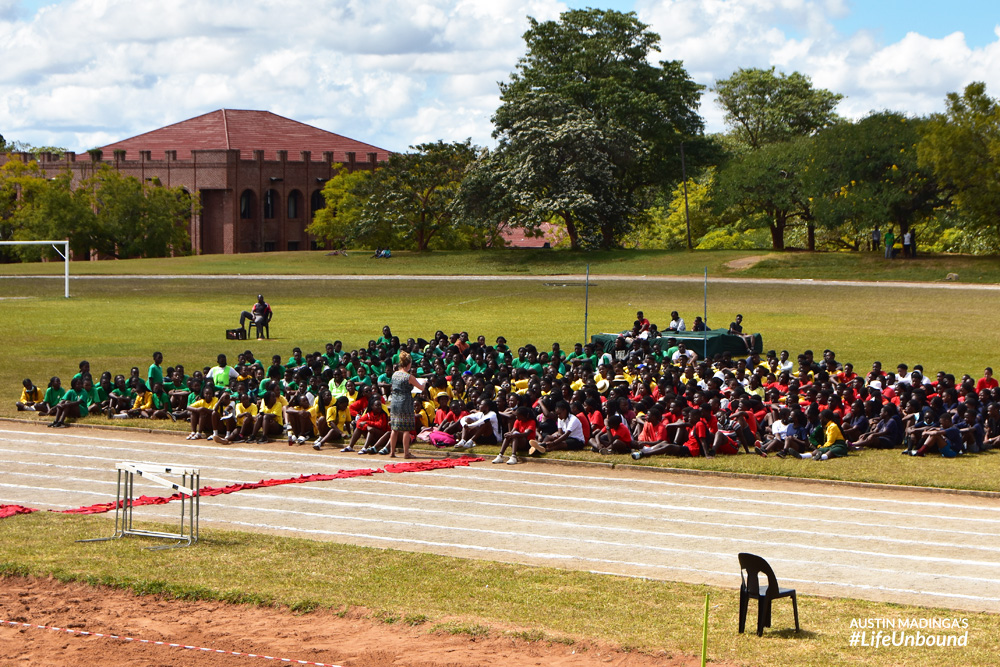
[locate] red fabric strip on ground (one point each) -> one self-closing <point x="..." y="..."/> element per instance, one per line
<point x="436" y="464"/>
<point x="11" y="510"/>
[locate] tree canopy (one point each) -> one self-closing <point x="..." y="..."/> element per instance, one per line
<point x="765" y="107"/>
<point x="585" y="91"/>
<point x="962" y="147"/>
<point x="865" y="175"/>
<point x="408" y="202"/>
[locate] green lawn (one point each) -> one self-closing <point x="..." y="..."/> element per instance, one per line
<point x="472" y="596"/>
<point x="119" y="325"/>
<point x="830" y="265"/>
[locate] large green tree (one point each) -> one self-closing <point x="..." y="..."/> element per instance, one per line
<point x="764" y="109"/>
<point x="764" y="188"/>
<point x="586" y="91"/>
<point x="408" y="202"/>
<point x="962" y="147"/>
<point x="136" y="219"/>
<point x="865" y="174"/>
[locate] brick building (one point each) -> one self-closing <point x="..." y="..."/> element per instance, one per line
<point x="260" y="176"/>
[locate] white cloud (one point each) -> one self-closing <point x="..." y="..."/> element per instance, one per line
<point x="913" y="75"/>
<point x="85" y="72"/>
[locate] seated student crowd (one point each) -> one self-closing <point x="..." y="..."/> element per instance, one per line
<point x="640" y="399"/>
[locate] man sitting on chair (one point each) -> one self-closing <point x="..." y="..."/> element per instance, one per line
<point x="259" y="315"/>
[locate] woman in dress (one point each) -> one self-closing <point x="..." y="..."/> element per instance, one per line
<point x="401" y="418"/>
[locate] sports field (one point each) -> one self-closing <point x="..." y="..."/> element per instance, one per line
<point x="117" y="323"/>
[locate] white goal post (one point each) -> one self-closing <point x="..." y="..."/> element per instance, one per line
<point x="64" y="253"/>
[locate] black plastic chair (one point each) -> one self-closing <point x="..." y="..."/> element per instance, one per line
<point x="751" y="567"/>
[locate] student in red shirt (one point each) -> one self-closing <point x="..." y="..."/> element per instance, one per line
<point x="987" y="381"/>
<point x="615" y="438"/>
<point x="523" y="430"/>
<point x="655" y="438"/>
<point x="373" y="425"/>
<point x="702" y="435"/>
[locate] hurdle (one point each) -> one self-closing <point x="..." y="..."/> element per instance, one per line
<point x="125" y="501"/>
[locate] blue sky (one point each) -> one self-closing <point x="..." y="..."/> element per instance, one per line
<point x="400" y="72"/>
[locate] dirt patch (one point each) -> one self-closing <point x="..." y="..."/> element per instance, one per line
<point x="321" y="636"/>
<point x="745" y="262"/>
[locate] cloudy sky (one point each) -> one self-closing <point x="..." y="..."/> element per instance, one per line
<point x="84" y="73"/>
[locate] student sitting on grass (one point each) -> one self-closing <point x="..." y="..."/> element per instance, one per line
<point x="372" y="425"/>
<point x="54" y="392"/>
<point x="338" y="422"/>
<point x="268" y="422"/>
<point x="521" y="433"/>
<point x="201" y="413"/>
<point x="30" y="395"/>
<point x="73" y="404"/>
<point x="945" y="439"/>
<point x="568" y="435"/>
<point x="480" y="427"/>
<point x="834" y="446"/>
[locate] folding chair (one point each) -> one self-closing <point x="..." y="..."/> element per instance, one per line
<point x="751" y="567"/>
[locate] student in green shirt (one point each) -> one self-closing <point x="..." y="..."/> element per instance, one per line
<point x="385" y="340"/>
<point x="53" y="394"/>
<point x="332" y="356"/>
<point x="154" y="375"/>
<point x="73" y="404"/>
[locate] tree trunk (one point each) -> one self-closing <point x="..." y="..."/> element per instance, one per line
<point x="574" y="239"/>
<point x="811" y="236"/>
<point x="778" y="231"/>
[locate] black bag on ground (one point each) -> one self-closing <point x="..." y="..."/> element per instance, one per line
<point x="236" y="334"/>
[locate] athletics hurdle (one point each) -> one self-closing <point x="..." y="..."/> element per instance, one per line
<point x="125" y="501"/>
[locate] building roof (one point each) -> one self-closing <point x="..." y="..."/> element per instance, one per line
<point x="246" y="130"/>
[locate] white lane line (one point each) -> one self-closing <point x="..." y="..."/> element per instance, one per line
<point x="569" y="556"/>
<point x="699" y="497"/>
<point x="854" y="552"/>
<point x="629" y="505"/>
<point x="631" y="565"/>
<point x="567" y="524"/>
<point x="481" y="471"/>
<point x="484" y="472"/>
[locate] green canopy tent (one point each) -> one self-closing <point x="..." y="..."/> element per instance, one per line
<point x="717" y="342"/>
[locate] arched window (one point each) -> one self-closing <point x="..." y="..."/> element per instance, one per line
<point x="317" y="202"/>
<point x="248" y="205"/>
<point x="294" y="204"/>
<point x="270" y="204"/>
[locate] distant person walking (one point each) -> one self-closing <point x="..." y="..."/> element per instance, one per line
<point x="908" y="244"/>
<point x="876" y="238"/>
<point x="890" y="238"/>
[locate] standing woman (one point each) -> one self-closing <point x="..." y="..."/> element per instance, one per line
<point x="401" y="417"/>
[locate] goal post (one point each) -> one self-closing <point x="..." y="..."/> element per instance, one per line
<point x="64" y="253"/>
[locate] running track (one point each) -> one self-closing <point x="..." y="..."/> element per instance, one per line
<point x="913" y="547"/>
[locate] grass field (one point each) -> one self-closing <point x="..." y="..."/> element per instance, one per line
<point x="830" y="265"/>
<point x="118" y="325"/>
<point x="470" y="596"/>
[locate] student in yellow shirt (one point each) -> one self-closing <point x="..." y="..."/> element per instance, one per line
<point x="143" y="404"/>
<point x="268" y="422"/>
<point x="246" y="415"/>
<point x="338" y="424"/>
<point x="300" y="419"/>
<point x="30" y="394"/>
<point x="201" y="413"/>
<point x="223" y="419"/>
